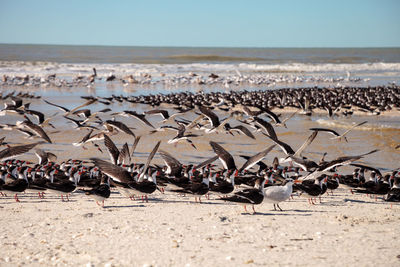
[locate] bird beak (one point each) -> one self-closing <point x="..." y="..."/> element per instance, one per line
<point x="297" y="181"/>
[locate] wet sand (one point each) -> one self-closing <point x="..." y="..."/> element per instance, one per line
<point x="344" y="230"/>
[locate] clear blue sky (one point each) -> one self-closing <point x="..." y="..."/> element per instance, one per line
<point x="283" y="23"/>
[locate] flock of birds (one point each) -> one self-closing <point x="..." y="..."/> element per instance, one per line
<point x="249" y="114"/>
<point x="170" y="80"/>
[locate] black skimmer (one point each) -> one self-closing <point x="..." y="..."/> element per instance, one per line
<point x="110" y="77"/>
<point x="45" y="157"/>
<point x="394" y="192"/>
<point x="240" y="129"/>
<point x="135" y="143"/>
<point x="306" y="108"/>
<point x="212" y="117"/>
<point x="206" y="162"/>
<point x="181" y="136"/>
<point x="80" y="124"/>
<point x="380" y="187"/>
<point x="335" y="134"/>
<point x="326" y="166"/>
<point x="14" y="187"/>
<point x="163" y="113"/>
<point x="41" y="118"/>
<point x="225" y="186"/>
<point x="283" y="122"/>
<point x="311" y="188"/>
<point x="195" y="188"/>
<point x="119" y="126"/>
<point x="101" y="192"/>
<point x="12" y="152"/>
<point x="249" y="196"/>
<point x="149" y="159"/>
<point x="66" y="110"/>
<point x="276" y="194"/>
<point x="174" y="167"/>
<point x="112" y="150"/>
<point x="134" y="114"/>
<point x="288" y="150"/>
<point x="34" y="128"/>
<point x="255" y="159"/>
<point x="63" y="185"/>
<point x="84" y="139"/>
<point x="267" y="127"/>
<point x="226" y="159"/>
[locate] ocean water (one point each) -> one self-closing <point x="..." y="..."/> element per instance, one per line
<point x="366" y="66"/>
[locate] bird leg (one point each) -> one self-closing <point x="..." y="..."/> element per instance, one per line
<point x="67" y="197"/>
<point x="245" y="209"/>
<point x="16" y="198"/>
<point x="102" y="204"/>
<point x="39" y="195"/>
<point x="62" y="198"/>
<point x="320" y="199"/>
<point x="279" y="207"/>
<point x="254" y="211"/>
<point x="147" y="199"/>
<point x="274" y="207"/>
<point x="199" y="199"/>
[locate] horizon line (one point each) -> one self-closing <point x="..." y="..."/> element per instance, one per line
<point x="172" y="46"/>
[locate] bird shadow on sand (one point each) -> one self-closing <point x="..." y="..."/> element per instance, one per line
<point x="203" y="202"/>
<point x="372" y="201"/>
<point x="281" y="213"/>
<point x="124" y="206"/>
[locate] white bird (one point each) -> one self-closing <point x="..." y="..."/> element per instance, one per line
<point x="277" y="193"/>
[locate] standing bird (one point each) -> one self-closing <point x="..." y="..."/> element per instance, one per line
<point x="277" y="193"/>
<point x="100" y="193"/>
<point x="249" y="196"/>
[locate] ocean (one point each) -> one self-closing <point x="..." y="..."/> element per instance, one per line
<point x="368" y="66"/>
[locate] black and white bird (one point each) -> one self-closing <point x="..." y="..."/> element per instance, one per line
<point x="14" y="151"/>
<point x="101" y="192"/>
<point x="224" y="156"/>
<point x="335" y="134"/>
<point x="249" y="196"/>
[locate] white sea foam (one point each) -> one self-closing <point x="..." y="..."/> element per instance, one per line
<point x="45" y="68"/>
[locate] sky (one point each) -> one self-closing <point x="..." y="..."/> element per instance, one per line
<point x="202" y="23"/>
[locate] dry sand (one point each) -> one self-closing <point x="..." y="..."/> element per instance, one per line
<point x="345" y="230"/>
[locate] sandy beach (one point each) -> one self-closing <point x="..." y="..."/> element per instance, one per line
<point x="344" y="230"/>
